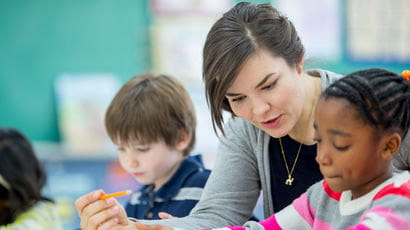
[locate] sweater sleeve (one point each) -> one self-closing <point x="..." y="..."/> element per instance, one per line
<point x="402" y="159"/>
<point x="298" y="215"/>
<point x="42" y="216"/>
<point x="382" y="218"/>
<point x="233" y="187"/>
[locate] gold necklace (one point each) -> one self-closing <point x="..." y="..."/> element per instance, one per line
<point x="290" y="179"/>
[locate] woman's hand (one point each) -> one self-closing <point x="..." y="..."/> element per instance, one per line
<point x="151" y="227"/>
<point x="96" y="214"/>
<point x="164" y="215"/>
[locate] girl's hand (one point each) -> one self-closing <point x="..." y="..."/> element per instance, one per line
<point x="96" y="214"/>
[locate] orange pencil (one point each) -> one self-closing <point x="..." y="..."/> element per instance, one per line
<point x="115" y="194"/>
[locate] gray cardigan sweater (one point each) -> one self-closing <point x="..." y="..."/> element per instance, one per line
<point x="241" y="171"/>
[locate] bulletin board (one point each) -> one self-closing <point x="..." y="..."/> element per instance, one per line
<point x="378" y="31"/>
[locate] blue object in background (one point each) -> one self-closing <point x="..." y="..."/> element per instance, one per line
<point x="69" y="179"/>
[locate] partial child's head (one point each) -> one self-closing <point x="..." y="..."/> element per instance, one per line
<point x="242" y="32"/>
<point x="21" y="175"/>
<point x="151" y="108"/>
<point x="152" y="121"/>
<point x="360" y="121"/>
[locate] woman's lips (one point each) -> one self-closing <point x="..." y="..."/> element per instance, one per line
<point x="272" y="123"/>
<point x="138" y="174"/>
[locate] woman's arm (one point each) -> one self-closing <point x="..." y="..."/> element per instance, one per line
<point x="402" y="159"/>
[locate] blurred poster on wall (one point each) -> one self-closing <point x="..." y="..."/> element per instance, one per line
<point x="177" y="47"/>
<point x="190" y="7"/>
<point x="378" y="30"/>
<point x="178" y="34"/>
<point x="82" y="100"/>
<point x="318" y="23"/>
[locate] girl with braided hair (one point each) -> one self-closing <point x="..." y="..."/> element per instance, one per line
<point x="360" y="123"/>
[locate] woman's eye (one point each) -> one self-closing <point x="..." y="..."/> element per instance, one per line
<point x="237" y="99"/>
<point x="269" y="86"/>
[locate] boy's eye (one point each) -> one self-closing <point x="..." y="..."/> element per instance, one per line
<point x="120" y="149"/>
<point x="142" y="149"/>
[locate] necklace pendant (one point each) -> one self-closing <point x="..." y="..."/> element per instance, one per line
<point x="289" y="180"/>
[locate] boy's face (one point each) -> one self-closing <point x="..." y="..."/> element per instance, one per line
<point x="154" y="163"/>
<point x="349" y="153"/>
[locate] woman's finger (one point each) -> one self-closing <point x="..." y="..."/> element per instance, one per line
<point x="151" y="227"/>
<point x="164" y="215"/>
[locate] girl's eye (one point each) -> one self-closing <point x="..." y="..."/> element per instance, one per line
<point x="342" y="148"/>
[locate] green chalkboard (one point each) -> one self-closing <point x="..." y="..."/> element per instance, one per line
<point x="39" y="40"/>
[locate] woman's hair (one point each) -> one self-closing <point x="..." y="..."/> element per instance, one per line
<point x="23" y="175"/>
<point x="234" y="38"/>
<point x="381" y="97"/>
<point x="150" y="108"/>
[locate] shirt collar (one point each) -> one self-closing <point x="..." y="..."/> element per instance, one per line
<point x="188" y="166"/>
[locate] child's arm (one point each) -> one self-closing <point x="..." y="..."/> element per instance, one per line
<point x="383" y="218"/>
<point x="390" y="209"/>
<point x="295" y="216"/>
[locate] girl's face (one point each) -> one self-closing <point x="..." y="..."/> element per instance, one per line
<point x="150" y="164"/>
<point x="349" y="153"/>
<point x="267" y="93"/>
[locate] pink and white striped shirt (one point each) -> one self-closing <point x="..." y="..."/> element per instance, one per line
<point x="385" y="207"/>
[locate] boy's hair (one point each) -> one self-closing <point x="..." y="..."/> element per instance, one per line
<point x="151" y="108"/>
<point x="22" y="172"/>
<point x="381" y="97"/>
<point x="234" y="38"/>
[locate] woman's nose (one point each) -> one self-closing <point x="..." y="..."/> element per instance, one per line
<point x="260" y="107"/>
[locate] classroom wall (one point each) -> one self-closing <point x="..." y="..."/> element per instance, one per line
<point x="39" y="40"/>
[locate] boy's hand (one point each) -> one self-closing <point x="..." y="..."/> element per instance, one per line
<point x="151" y="227"/>
<point x="96" y="214"/>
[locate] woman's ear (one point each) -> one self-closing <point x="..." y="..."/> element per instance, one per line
<point x="391" y="145"/>
<point x="184" y="138"/>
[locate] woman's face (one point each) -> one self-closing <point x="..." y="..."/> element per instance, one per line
<point x="268" y="93"/>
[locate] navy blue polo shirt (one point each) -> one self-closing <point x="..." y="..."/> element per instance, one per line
<point x="176" y="197"/>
